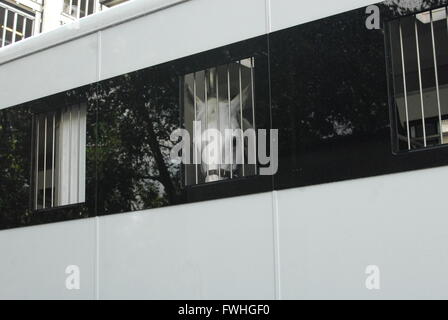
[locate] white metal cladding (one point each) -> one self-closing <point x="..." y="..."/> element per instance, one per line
<point x="124" y="27"/>
<point x="313" y="239"/>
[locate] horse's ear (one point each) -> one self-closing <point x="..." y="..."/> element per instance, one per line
<point x="200" y="105"/>
<point x="200" y="109"/>
<point x="235" y="103"/>
<point x="247" y="124"/>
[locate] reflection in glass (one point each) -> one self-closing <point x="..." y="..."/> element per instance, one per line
<point x="137" y="114"/>
<point x="15" y="164"/>
<point x="329" y="100"/>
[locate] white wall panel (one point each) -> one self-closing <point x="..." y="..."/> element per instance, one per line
<point x="34" y="260"/>
<point x="289" y="13"/>
<point x="179" y="31"/>
<point x="211" y="250"/>
<point x="63" y="67"/>
<point x="330" y="233"/>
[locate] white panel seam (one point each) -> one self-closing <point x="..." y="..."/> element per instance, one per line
<point x="97" y="258"/>
<point x="268" y="16"/>
<point x="276" y="242"/>
<point x="99" y="61"/>
<point x="97" y="219"/>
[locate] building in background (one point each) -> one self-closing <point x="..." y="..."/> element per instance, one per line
<point x="20" y="19"/>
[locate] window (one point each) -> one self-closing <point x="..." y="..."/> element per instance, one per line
<point x="220" y="98"/>
<point x="79" y="8"/>
<point x="59" y="157"/>
<point x="14" y="25"/>
<point x="419" y="58"/>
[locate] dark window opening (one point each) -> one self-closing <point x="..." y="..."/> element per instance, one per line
<point x="419" y="56"/>
<point x="59" y="157"/>
<point x="221" y="99"/>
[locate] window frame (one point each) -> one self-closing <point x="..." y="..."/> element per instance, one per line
<point x="78" y="171"/>
<point x="15" y="12"/>
<point x="251" y="48"/>
<point x="253" y="107"/>
<point x="393" y="109"/>
<point x="72" y="211"/>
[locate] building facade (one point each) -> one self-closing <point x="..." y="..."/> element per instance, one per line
<point x="360" y="105"/>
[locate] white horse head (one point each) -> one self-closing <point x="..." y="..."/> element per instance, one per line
<point x="219" y="115"/>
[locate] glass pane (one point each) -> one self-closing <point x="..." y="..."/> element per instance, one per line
<point x="2" y="24"/>
<point x="74" y="8"/>
<point x="29" y="28"/>
<point x="91" y="8"/>
<point x="66" y="8"/>
<point x="9" y="27"/>
<point x="19" y="27"/>
<point x="83" y="6"/>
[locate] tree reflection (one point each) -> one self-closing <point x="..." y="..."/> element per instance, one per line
<point x="137" y="113"/>
<point x="403" y="7"/>
<point x="15" y="142"/>
<point x="332" y="80"/>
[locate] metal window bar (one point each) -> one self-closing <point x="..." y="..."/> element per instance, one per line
<point x="195" y="119"/>
<point x="70" y="129"/>
<point x="52" y="161"/>
<point x="219" y="118"/>
<point x="5" y="22"/>
<point x="14" y="27"/>
<point x="436" y="78"/>
<point x="86" y="8"/>
<point x="230" y="116"/>
<point x="252" y="66"/>
<point x="405" y="93"/>
<point x="241" y="116"/>
<point x="78" y="9"/>
<point x="45" y="163"/>
<point x="36" y="199"/>
<point x="206" y="75"/>
<point x="420" y="84"/>
<point x="60" y="195"/>
<point x="79" y="153"/>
